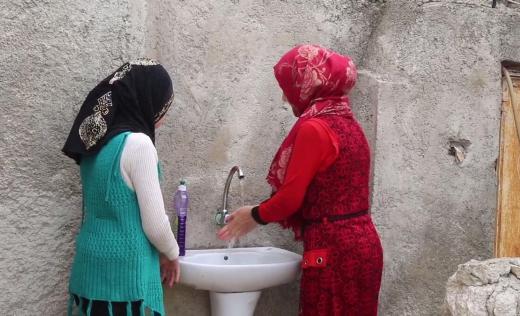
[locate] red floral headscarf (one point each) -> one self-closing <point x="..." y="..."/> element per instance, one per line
<point x="316" y="81"/>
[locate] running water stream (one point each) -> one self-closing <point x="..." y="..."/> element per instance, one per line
<point x="232" y="242"/>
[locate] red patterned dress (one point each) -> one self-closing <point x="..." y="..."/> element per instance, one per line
<point x="349" y="283"/>
<point x="320" y="179"/>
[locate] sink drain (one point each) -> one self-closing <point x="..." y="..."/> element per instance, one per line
<point x="226" y="258"/>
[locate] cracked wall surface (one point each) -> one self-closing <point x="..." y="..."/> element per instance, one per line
<point x="228" y="106"/>
<point x="51" y="54"/>
<point x="442" y="60"/>
<point x="429" y="76"/>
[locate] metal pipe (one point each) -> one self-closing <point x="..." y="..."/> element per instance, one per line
<point x="228" y="183"/>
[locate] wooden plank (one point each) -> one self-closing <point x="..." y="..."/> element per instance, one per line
<point x="507" y="242"/>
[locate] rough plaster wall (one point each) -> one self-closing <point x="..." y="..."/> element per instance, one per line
<point x="429" y="74"/>
<point x="437" y="66"/>
<point x="51" y="54"/>
<point x="228" y="107"/>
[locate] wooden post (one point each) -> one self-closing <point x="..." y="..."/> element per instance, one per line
<point x="507" y="242"/>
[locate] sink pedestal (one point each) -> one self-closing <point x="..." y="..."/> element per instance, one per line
<point x="233" y="304"/>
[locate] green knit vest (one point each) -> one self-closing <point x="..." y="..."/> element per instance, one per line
<point x="114" y="260"/>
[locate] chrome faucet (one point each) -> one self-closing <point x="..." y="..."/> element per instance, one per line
<point x="222" y="212"/>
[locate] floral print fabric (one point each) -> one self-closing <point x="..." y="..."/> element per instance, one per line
<point x="315" y="80"/>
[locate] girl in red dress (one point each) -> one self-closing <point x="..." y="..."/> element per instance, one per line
<point x="320" y="180"/>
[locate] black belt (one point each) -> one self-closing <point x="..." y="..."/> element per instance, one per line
<point x="334" y="218"/>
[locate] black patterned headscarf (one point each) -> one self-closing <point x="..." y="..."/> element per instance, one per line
<point x="133" y="98"/>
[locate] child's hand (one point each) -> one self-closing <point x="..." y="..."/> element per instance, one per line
<point x="170" y="271"/>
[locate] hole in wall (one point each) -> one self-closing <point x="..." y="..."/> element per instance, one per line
<point x="458" y="148"/>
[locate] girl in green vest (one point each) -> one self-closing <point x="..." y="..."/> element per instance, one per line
<point x="125" y="248"/>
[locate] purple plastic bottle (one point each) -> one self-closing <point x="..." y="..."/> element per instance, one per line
<point x="181" y="202"/>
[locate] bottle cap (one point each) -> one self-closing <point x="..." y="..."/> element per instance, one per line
<point x="182" y="185"/>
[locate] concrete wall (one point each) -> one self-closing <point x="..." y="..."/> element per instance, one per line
<point x="439" y="80"/>
<point x="429" y="74"/>
<point x="228" y="108"/>
<point x="51" y="54"/>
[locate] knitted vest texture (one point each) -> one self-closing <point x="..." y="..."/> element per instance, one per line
<point x="114" y="260"/>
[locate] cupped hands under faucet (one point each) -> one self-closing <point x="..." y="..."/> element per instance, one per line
<point x="239" y="223"/>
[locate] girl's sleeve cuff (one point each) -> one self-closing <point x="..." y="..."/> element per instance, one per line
<point x="173" y="253"/>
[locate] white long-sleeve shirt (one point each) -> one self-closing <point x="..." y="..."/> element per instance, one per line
<point x="139" y="169"/>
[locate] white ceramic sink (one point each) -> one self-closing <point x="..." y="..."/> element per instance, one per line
<point x="239" y="269"/>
